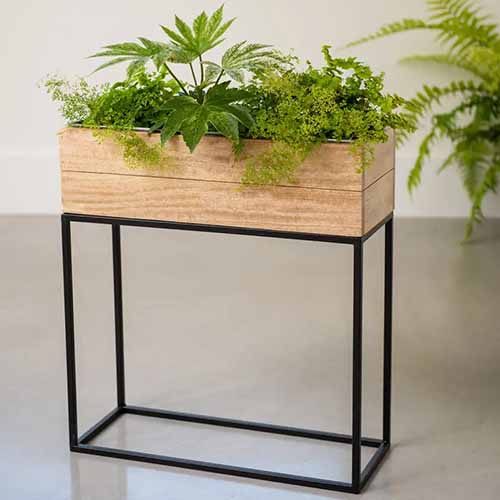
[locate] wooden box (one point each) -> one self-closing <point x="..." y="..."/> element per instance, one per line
<point x="329" y="197"/>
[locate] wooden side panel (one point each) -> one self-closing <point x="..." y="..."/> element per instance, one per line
<point x="330" y="166"/>
<point x="384" y="161"/>
<point x="378" y="201"/>
<point x="221" y="203"/>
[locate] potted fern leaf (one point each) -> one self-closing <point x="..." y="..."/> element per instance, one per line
<point x="250" y="141"/>
<point x="471" y="42"/>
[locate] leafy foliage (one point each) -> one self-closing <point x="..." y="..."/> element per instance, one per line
<point x="205" y="34"/>
<point x="342" y="101"/>
<point x="472" y="43"/>
<point x="137" y="153"/>
<point x="120" y="108"/>
<point x="244" y="56"/>
<point x="135" y="102"/>
<point x="137" y="54"/>
<point x="206" y="101"/>
<point x="76" y="99"/>
<point x="191" y="118"/>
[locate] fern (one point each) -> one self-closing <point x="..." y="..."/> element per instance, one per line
<point x="392" y="29"/>
<point x="461" y="25"/>
<point x="471" y="42"/>
<point x="488" y="184"/>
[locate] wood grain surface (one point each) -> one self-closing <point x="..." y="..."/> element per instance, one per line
<point x="330" y="197"/>
<point x="330" y="166"/>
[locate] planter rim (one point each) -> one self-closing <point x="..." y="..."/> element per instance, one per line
<point x="213" y="134"/>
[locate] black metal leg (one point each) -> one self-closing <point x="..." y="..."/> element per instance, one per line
<point x="360" y="477"/>
<point x="118" y="295"/>
<point x="70" y="331"/>
<point x="357" y="364"/>
<point x="388" y="300"/>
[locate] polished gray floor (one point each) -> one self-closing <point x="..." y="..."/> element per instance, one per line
<point x="257" y="329"/>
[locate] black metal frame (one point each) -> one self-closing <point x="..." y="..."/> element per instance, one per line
<point x="359" y="479"/>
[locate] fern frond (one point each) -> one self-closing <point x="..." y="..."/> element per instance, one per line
<point x="423" y="103"/>
<point x="448" y="162"/>
<point x="474" y="159"/>
<point x="424" y="151"/>
<point x="394" y="28"/>
<point x="489" y="184"/>
<point x="471" y="41"/>
<point x="465" y="63"/>
<point x="445" y="125"/>
<point x="443" y="9"/>
<point x="462" y="25"/>
<point x="487" y="63"/>
<point x="459" y="25"/>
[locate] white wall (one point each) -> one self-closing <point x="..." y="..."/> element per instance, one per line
<point x="39" y="37"/>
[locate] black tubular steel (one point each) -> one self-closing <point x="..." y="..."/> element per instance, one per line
<point x="388" y="300"/>
<point x="357" y="348"/>
<point x="249" y="426"/>
<point x="277" y="477"/>
<point x="95" y="430"/>
<point x="373" y="465"/>
<point x="118" y="291"/>
<point x="208" y="228"/>
<point x="359" y="479"/>
<point x="70" y="331"/>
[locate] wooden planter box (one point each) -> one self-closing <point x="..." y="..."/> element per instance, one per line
<point x="330" y="196"/>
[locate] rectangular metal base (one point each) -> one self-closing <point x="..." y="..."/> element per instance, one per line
<point x="84" y="446"/>
<point x="360" y="477"/>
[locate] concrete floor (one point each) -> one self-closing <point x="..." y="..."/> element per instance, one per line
<point x="256" y="329"/>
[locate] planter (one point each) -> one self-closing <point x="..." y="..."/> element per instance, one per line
<point x="331" y="202"/>
<point x="330" y="196"/>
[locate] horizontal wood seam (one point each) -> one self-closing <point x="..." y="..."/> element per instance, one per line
<point x="223" y="182"/>
<point x="365" y="193"/>
<point x="380" y="178"/>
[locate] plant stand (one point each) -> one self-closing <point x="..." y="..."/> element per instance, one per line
<point x="359" y="479"/>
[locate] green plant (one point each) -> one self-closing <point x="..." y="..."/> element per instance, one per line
<point x="114" y="111"/>
<point x="135" y="102"/>
<point x="343" y="101"/>
<point x="472" y="43"/>
<point x="207" y="100"/>
<point x="76" y="98"/>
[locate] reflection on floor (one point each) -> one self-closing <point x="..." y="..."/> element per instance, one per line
<point x="255" y="329"/>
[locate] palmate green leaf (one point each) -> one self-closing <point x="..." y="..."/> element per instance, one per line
<point x="205" y="33"/>
<point x="119" y="60"/>
<point x="180" y="102"/>
<point x="189" y="117"/>
<point x="139" y="54"/>
<point x="212" y="71"/>
<point x="226" y="124"/>
<point x="195" y="127"/>
<point x="200" y="25"/>
<point x="241" y="113"/>
<point x="178" y="109"/>
<point x="221" y="94"/>
<point x="243" y="57"/>
<point x="174" y="123"/>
